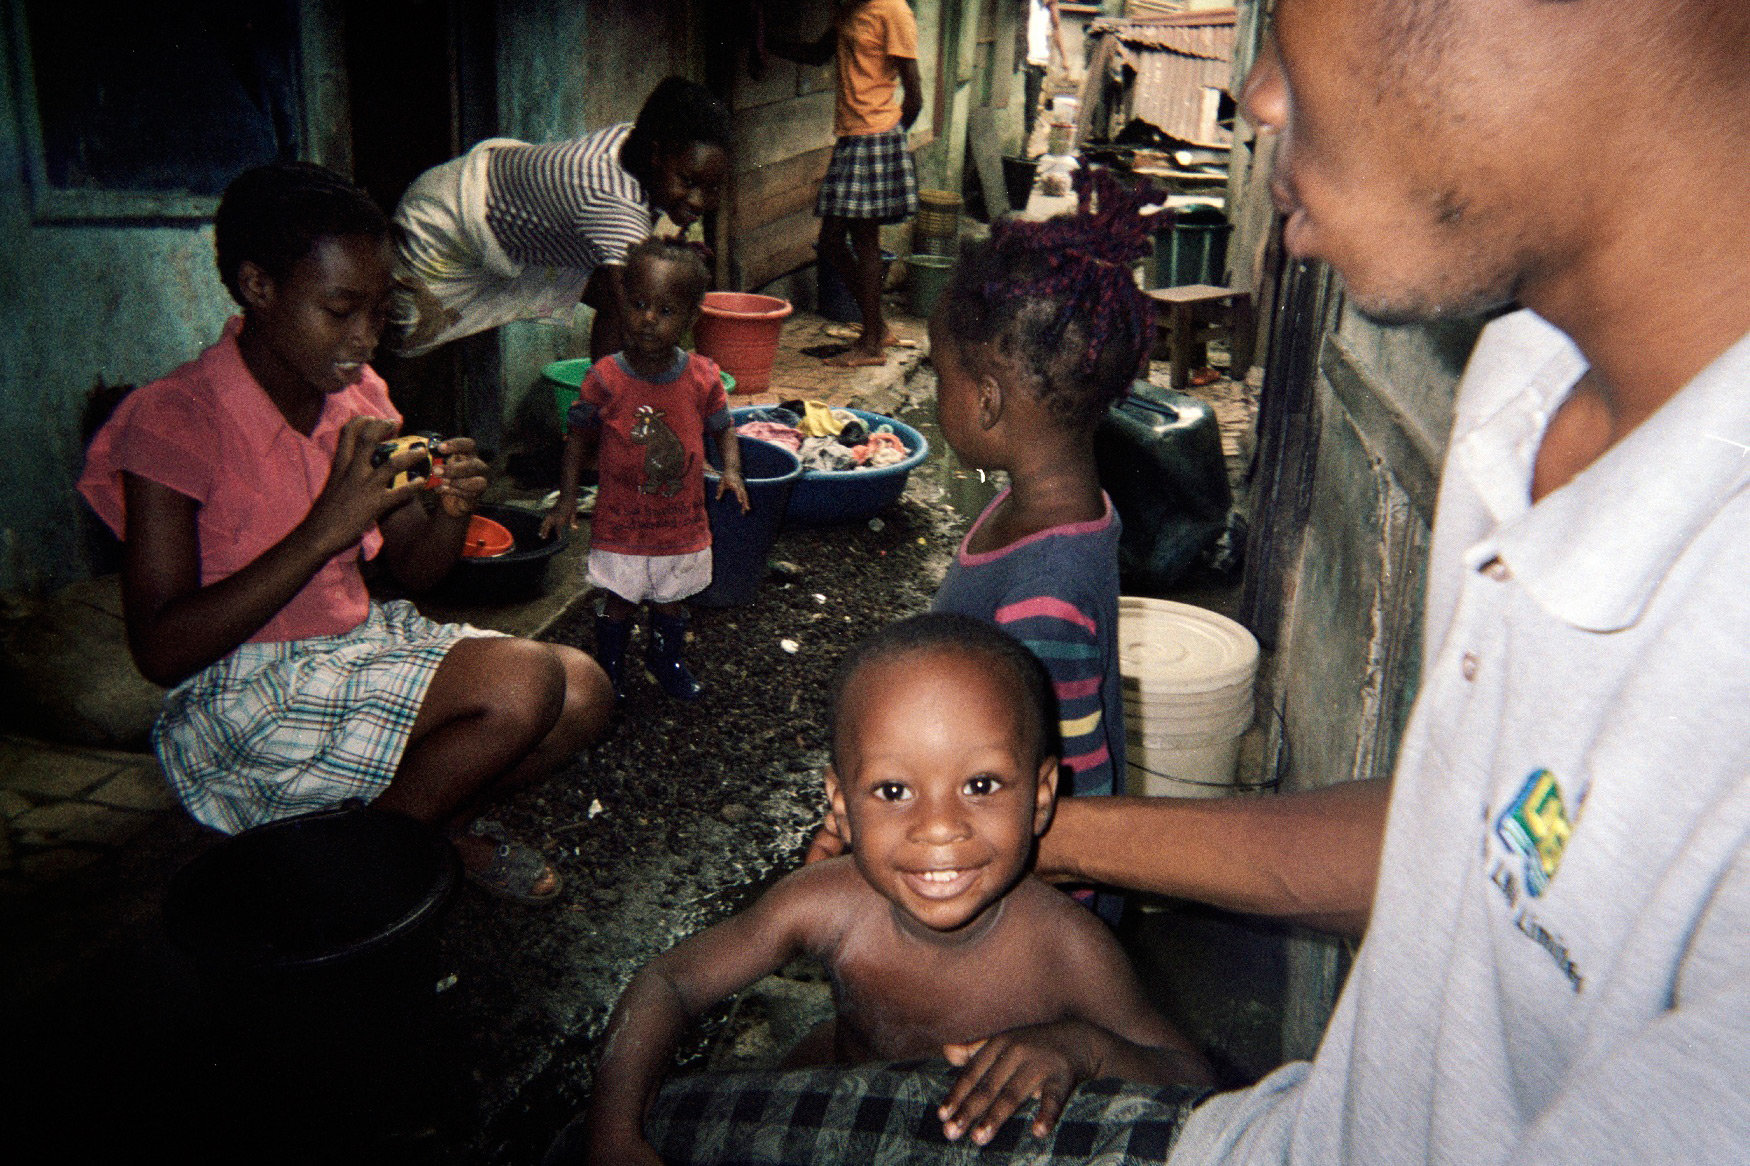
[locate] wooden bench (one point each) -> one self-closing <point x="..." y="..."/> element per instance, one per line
<point x="1185" y="315"/>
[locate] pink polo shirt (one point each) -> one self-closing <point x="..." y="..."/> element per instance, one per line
<point x="210" y="432"/>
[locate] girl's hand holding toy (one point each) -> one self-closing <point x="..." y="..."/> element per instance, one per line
<point x="360" y="487"/>
<point x="459" y="478"/>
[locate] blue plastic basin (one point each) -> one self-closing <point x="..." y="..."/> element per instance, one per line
<point x="822" y="498"/>
<point x="740" y="542"/>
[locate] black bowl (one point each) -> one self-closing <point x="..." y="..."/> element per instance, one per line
<point x="516" y="574"/>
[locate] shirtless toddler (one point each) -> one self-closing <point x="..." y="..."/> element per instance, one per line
<point x="938" y="941"/>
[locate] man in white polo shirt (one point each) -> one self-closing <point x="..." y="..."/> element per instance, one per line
<point x="1557" y="959"/>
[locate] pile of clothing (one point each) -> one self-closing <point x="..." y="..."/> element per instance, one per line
<point x="823" y="438"/>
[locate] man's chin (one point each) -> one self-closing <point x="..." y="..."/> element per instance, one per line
<point x="1404" y="308"/>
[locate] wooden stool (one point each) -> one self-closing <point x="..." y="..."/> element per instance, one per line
<point x="1187" y="313"/>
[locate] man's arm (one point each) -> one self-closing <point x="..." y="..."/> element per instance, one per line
<point x="606" y="333"/>
<point x="1310" y="858"/>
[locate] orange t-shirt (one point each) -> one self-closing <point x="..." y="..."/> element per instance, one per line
<point x="870" y="36"/>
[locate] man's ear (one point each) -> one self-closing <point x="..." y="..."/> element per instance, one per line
<point x="835" y="797"/>
<point x="255" y="285"/>
<point x="1045" y="795"/>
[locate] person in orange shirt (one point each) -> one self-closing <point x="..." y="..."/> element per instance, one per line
<point x="870" y="180"/>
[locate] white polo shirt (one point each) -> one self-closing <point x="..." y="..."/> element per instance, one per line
<point x="1558" y="963"/>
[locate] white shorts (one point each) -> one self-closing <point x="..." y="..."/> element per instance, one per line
<point x="452" y="277"/>
<point x="656" y="578"/>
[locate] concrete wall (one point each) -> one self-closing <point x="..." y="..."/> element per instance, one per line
<point x="116" y="302"/>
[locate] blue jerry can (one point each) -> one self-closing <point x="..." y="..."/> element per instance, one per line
<point x="1159" y="454"/>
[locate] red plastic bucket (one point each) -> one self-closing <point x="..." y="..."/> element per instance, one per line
<point x="739" y="330"/>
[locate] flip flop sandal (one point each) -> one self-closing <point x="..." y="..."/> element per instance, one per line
<point x="514" y="867"/>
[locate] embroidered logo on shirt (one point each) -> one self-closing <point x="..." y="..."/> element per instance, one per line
<point x="1536" y="827"/>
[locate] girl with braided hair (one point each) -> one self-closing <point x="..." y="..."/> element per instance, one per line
<point x="1041" y="328"/>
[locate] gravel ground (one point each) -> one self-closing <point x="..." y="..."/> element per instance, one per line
<point x="677" y="819"/>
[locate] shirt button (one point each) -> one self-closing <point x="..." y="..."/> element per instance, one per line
<point x="1496" y="570"/>
<point x="1468" y="665"/>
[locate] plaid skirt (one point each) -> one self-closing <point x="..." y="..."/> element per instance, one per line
<point x="885" y="1115"/>
<point x="870" y="177"/>
<point x="276" y="729"/>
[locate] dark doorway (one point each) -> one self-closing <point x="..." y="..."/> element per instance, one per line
<point x="423" y="90"/>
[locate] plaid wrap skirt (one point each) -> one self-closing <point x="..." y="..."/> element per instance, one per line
<point x="885" y="1115"/>
<point x="276" y="729"/>
<point x="870" y="177"/>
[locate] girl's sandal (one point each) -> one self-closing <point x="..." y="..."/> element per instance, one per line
<point x="513" y="869"/>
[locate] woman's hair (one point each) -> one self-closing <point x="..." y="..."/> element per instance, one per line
<point x="273" y="216"/>
<point x="684" y="255"/>
<point x="952" y="633"/>
<point x="677" y="113"/>
<point x="1058" y="299"/>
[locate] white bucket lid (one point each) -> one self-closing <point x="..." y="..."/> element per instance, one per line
<point x="1168" y="647"/>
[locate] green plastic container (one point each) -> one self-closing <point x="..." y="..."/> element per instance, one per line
<point x="928" y="279"/>
<point x="1193" y="249"/>
<point x="566" y="377"/>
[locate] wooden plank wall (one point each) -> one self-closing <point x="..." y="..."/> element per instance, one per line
<point x="783" y="139"/>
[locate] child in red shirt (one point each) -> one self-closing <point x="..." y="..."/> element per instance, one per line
<point x="649" y="408"/>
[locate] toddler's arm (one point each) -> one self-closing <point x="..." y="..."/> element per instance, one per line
<point x="797" y="914"/>
<point x="731" y="481"/>
<point x="1112" y="1031"/>
<point x="563" y="515"/>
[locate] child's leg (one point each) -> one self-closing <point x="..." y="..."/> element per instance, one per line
<point x="668" y="635"/>
<point x="613" y="631"/>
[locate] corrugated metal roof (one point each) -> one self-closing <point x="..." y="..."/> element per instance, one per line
<point x="1165" y="65"/>
<point x="1208" y="35"/>
<point x="1168" y="93"/>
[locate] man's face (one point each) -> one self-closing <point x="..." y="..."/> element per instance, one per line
<point x="1422" y="148"/>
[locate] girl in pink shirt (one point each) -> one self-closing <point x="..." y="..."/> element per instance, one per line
<point x="242" y="488"/>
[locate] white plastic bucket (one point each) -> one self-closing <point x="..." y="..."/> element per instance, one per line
<point x="1187" y="676"/>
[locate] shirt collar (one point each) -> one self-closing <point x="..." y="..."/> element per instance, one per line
<point x="260" y="423"/>
<point x="1592" y="552"/>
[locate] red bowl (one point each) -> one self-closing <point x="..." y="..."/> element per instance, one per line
<point x="486" y="539"/>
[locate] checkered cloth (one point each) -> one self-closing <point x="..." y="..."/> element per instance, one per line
<point x="870" y="177"/>
<point x="885" y="1115"/>
<point x="281" y="728"/>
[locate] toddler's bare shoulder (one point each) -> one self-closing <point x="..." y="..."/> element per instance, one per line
<point x="1043" y="905"/>
<point x="825" y="896"/>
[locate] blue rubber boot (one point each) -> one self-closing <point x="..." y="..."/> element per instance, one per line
<point x="667" y="634"/>
<point x="611" y="638"/>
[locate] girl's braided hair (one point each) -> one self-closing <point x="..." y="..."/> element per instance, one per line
<point x="1058" y="299"/>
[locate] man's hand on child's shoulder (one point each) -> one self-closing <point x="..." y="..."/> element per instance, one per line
<point x="827" y="842"/>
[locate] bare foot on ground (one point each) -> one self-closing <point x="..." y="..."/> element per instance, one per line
<point x="856" y="358"/>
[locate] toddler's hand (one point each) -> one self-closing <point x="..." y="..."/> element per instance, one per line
<point x="461" y="479"/>
<point x="732" y="482"/>
<point x="563" y="516"/>
<point x="1000" y="1073"/>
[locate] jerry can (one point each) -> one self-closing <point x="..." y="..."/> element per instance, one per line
<point x="1160" y="460"/>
